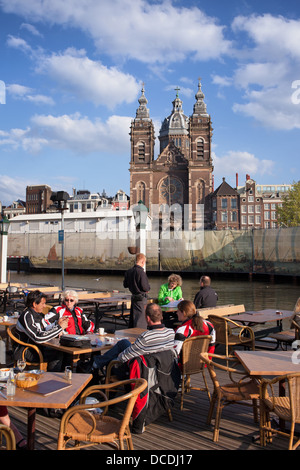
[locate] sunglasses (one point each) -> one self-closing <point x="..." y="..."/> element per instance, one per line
<point x="69" y="300"/>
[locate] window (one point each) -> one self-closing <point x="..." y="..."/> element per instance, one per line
<point x="141" y="151"/>
<point x="224" y="216"/>
<point x="258" y="209"/>
<point x="233" y="203"/>
<point x="200" y="148"/>
<point x="233" y="216"/>
<point x="224" y="203"/>
<point x="267" y="215"/>
<point x="251" y="219"/>
<point x="250" y="198"/>
<point x="267" y="206"/>
<point x="274" y="215"/>
<point x="244" y="219"/>
<point x="244" y="209"/>
<point x="250" y="209"/>
<point x="258" y="219"/>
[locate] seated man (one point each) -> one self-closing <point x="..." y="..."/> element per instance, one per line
<point x="155" y="339"/>
<point x="32" y="328"/>
<point x="206" y="296"/>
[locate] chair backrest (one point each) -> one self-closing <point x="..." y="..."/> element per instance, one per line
<point x="191" y="350"/>
<point x="293" y="381"/>
<point x="9" y="436"/>
<point x="222" y="328"/>
<point x="12" y="334"/>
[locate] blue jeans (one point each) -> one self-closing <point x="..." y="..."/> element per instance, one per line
<point x="111" y="354"/>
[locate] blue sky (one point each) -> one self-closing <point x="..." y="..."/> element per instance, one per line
<point x="73" y="72"/>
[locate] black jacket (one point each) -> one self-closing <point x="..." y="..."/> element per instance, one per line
<point x="163" y="376"/>
<point x="136" y="280"/>
<point x="206" y="297"/>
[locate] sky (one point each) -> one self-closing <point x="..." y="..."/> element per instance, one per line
<point x="71" y="74"/>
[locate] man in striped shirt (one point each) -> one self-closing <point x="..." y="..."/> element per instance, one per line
<point x="155" y="339"/>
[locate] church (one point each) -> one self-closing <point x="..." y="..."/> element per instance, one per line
<point x="181" y="175"/>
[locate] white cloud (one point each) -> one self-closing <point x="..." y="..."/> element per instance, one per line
<point x="146" y="31"/>
<point x="74" y="133"/>
<point x="89" y="80"/>
<point x="28" y="94"/>
<point x="32" y="29"/>
<point x="18" y="43"/>
<point x="243" y="163"/>
<point x="12" y="189"/>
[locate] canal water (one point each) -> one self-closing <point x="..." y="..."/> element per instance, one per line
<point x="255" y="295"/>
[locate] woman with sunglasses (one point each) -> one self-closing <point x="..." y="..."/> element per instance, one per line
<point x="78" y="323"/>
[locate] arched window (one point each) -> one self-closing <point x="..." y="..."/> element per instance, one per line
<point x="141" y="151"/>
<point x="141" y="191"/>
<point x="200" y="148"/>
<point x="200" y="192"/>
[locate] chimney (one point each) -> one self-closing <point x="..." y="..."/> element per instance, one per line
<point x="247" y="177"/>
<point x="236" y="180"/>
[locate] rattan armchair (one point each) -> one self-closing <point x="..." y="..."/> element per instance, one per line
<point x="192" y="364"/>
<point x="244" y="335"/>
<point x="9" y="437"/>
<point x="40" y="364"/>
<point x="80" y="428"/>
<point x="243" y="390"/>
<point x="286" y="408"/>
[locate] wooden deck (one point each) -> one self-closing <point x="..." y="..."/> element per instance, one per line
<point x="187" y="432"/>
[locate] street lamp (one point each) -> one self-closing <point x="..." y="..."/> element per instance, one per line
<point x="140" y="213"/>
<point x="4" y="226"/>
<point x="60" y="200"/>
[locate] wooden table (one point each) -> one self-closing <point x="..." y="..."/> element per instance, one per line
<point x="260" y="317"/>
<point x="105" y="302"/>
<point x="60" y="399"/>
<point x="130" y="333"/>
<point x="269" y="363"/>
<point x="12" y="321"/>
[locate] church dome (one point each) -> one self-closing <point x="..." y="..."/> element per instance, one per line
<point x="177" y="123"/>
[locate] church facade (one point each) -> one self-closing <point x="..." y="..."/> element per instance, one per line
<point x="181" y="175"/>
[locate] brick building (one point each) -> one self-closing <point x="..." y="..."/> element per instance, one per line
<point x="182" y="172"/>
<point x="38" y="199"/>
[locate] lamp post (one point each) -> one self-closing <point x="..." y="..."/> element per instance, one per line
<point x="4" y="226"/>
<point x="60" y="200"/>
<point x="140" y="212"/>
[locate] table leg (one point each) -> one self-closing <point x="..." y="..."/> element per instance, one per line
<point x="31" y="428"/>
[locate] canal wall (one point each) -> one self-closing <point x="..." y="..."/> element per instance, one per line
<point x="270" y="251"/>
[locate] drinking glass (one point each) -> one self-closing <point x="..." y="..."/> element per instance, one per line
<point x="21" y="364"/>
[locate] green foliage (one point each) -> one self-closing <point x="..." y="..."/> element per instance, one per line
<point x="289" y="214"/>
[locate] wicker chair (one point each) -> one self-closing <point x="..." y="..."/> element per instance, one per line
<point x="41" y="364"/>
<point x="239" y="391"/>
<point x="192" y="364"/>
<point x="286" y="408"/>
<point x="9" y="437"/>
<point x="287" y="337"/>
<point x="224" y="335"/>
<point x="85" y="429"/>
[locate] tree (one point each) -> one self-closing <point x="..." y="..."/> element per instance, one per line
<point x="289" y="214"/>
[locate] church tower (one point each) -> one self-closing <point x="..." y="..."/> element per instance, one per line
<point x="142" y="153"/>
<point x="200" y="161"/>
<point x="182" y="172"/>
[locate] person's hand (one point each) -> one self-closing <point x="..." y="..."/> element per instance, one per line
<point x="63" y="322"/>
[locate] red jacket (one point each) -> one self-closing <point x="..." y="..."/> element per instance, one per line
<point x="85" y="325"/>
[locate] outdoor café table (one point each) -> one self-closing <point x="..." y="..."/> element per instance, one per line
<point x="100" y="303"/>
<point x="98" y="343"/>
<point x="253" y="318"/>
<point x="59" y="399"/>
<point x="270" y="363"/>
<point x="11" y="321"/>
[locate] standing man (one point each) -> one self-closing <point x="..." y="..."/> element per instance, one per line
<point x="207" y="296"/>
<point x="136" y="281"/>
